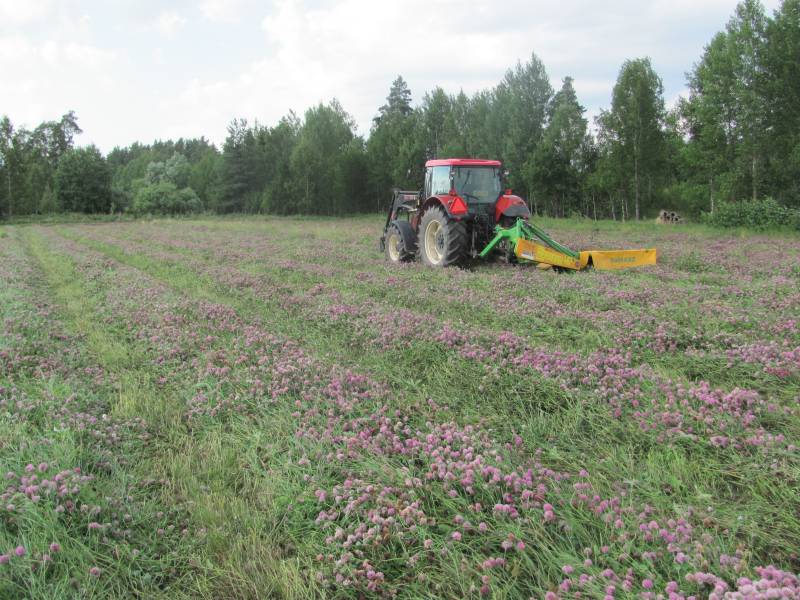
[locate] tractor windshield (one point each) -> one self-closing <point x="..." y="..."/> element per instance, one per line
<point x="477" y="184"/>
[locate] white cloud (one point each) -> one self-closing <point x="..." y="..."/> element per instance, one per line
<point x="222" y="11"/>
<point x="88" y="56"/>
<point x="75" y="25"/>
<point x="169" y="23"/>
<point x="585" y="86"/>
<point x="20" y="12"/>
<point x="50" y="52"/>
<point x="13" y="49"/>
<point x="44" y="79"/>
<point x="77" y="56"/>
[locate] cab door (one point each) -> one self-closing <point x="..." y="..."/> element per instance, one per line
<point x="427" y="191"/>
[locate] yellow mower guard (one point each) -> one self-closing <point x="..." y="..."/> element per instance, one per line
<point x="538" y="253"/>
<point x="602" y="260"/>
<point x="607" y="260"/>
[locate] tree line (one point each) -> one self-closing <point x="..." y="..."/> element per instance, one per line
<point x="735" y="137"/>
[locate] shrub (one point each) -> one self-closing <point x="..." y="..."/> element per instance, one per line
<point x="163" y="198"/>
<point x="756" y="214"/>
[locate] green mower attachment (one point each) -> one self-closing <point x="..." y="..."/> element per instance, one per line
<point x="532" y="244"/>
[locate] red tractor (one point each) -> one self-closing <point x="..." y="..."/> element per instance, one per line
<point x="454" y="217"/>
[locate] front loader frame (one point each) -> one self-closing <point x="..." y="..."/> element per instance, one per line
<point x="403" y="201"/>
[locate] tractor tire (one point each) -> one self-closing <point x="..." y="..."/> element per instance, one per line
<point x="442" y="241"/>
<point x="401" y="242"/>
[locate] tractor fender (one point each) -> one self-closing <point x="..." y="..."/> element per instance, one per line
<point x="444" y="201"/>
<point x="511" y="206"/>
<point x="408" y="233"/>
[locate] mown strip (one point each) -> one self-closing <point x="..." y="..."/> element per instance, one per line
<point x="79" y="521"/>
<point x="201" y="470"/>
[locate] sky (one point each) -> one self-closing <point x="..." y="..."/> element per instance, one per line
<point x="141" y="70"/>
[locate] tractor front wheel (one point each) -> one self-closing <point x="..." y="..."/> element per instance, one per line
<point x="443" y="241"/>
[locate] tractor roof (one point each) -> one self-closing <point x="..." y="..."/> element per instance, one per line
<point x="463" y="162"/>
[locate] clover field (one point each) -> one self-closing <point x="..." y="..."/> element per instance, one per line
<point x="264" y="408"/>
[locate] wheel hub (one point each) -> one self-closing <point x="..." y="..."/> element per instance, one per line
<point x="440" y="241"/>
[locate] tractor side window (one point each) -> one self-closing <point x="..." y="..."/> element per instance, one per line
<point x="440" y="180"/>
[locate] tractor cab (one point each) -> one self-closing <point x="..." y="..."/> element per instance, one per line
<point x="471" y="190"/>
<point x="475" y="181"/>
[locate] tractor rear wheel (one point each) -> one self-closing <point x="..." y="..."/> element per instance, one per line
<point x="443" y="241"/>
<point x="400" y="245"/>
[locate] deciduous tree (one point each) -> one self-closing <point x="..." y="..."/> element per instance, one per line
<point x="83" y="181"/>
